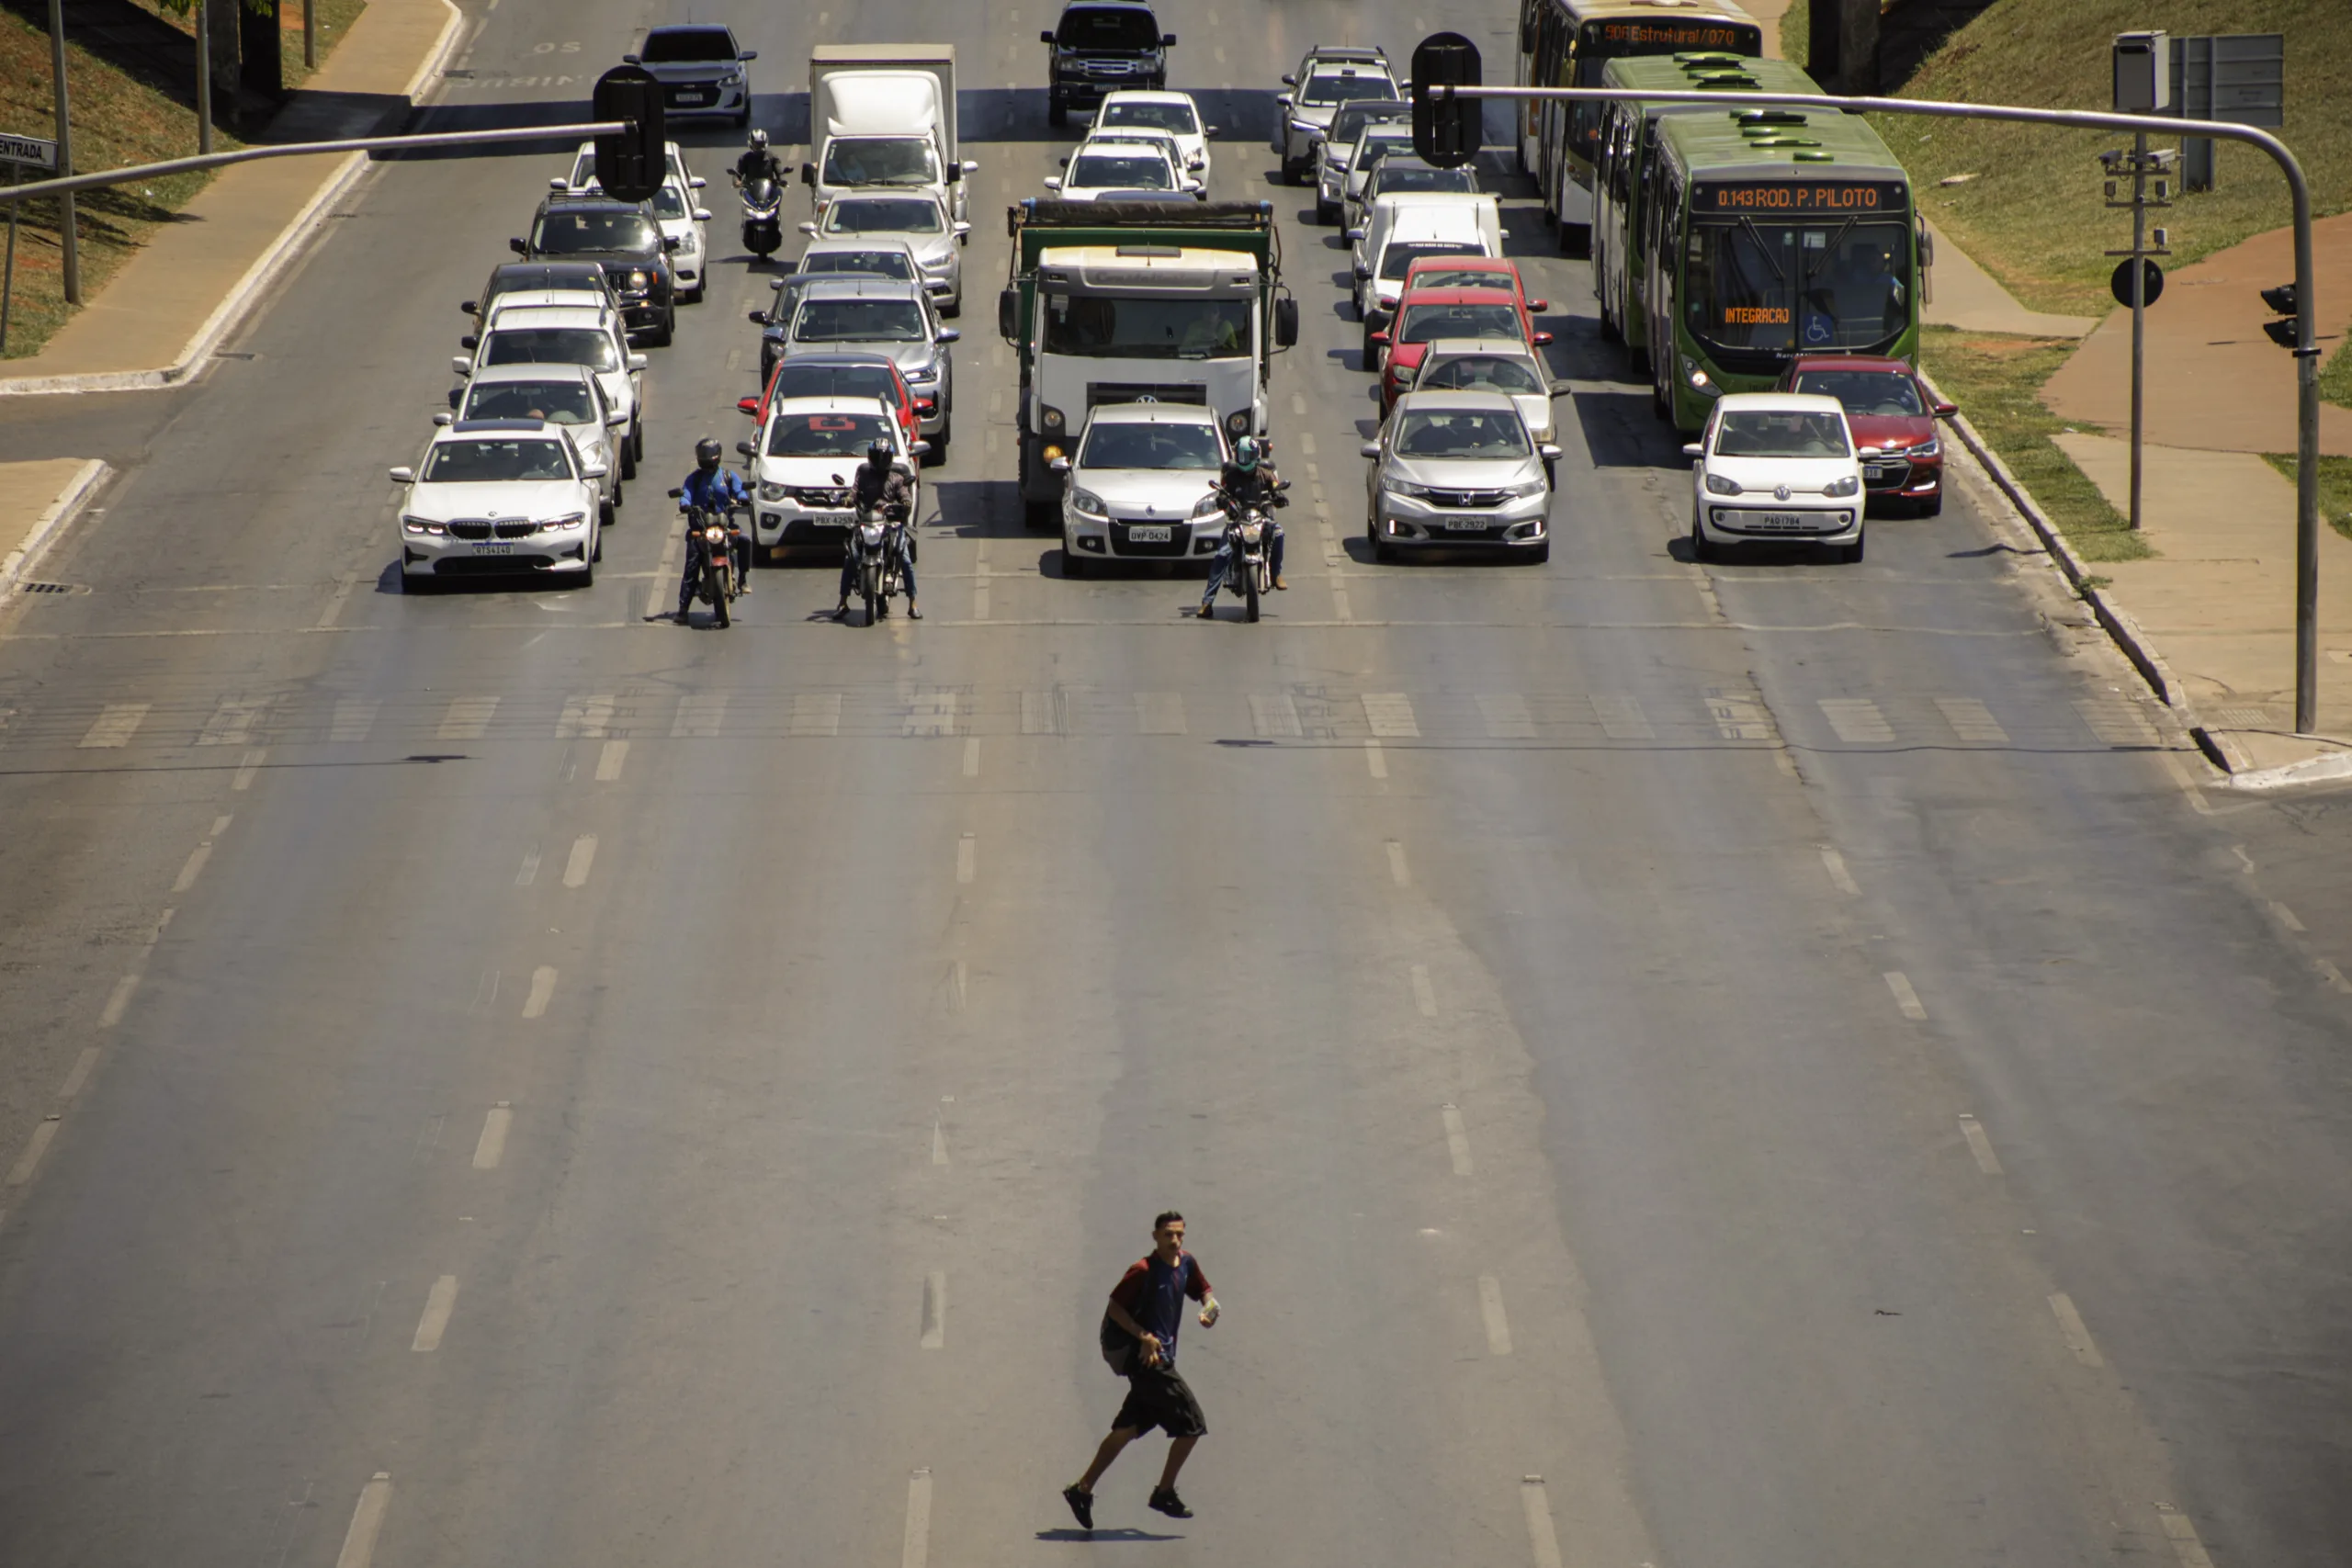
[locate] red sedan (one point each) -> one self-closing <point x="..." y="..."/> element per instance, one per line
<point x="1429" y="314"/>
<point x="1894" y="422"/>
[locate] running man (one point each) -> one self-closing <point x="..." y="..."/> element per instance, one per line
<point x="1140" y="1329"/>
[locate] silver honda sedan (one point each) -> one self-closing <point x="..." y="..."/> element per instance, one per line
<point x="1456" y="469"/>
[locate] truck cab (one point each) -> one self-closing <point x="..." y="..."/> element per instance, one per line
<point x="882" y="118"/>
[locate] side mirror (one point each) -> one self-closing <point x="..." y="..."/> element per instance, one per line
<point x="1044" y="38"/>
<point x="469" y="307"/>
<point x="749" y="405"/>
<point x="775" y="285"/>
<point x="1355" y="236"/>
<point x="1548" y="452"/>
<point x="1289" y="80"/>
<point x="462" y="366"/>
<point x="1537" y="307"/>
<point x="696" y="183"/>
<point x="1052" y="183"/>
<point x="960" y="228"/>
<point x="1866" y="452"/>
<point x="1059" y="465"/>
<point x="1008" y="314"/>
<point x="809" y="228"/>
<point x="1370" y="448"/>
<point x="636" y="363"/>
<point x="1381" y="337"/>
<point x="702" y="214"/>
<point x="1168" y="41"/>
<point x="919" y="448"/>
<point x="557" y="181"/>
<point x="669" y="242"/>
<point x="1282" y="99"/>
<point x="949" y="334"/>
<point x="807" y="174"/>
<point x="443" y="417"/>
<point x="1560" y="389"/>
<point x="403" y="476"/>
<point x="1196" y="163"/>
<point x="630" y="59"/>
<point x="757" y="318"/>
<point x="1542" y="339"/>
<point x="470" y="341"/>
<point x="749" y="55"/>
<point x="593" y="470"/>
<point x="1692" y="449"/>
<point x="674" y="494"/>
<point x="1945" y="411"/>
<point x="744" y="449"/>
<point x="616" y="419"/>
<point x="1065" y="162"/>
<point x="971" y="167"/>
<point x="1363" y="273"/>
<point x="518" y="247"/>
<point x="1285" y="323"/>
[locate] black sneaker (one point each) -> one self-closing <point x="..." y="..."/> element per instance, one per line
<point x="1082" y="1505"/>
<point x="1164" y="1498"/>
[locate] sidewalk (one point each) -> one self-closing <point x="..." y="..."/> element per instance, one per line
<point x="162" y="313"/>
<point x="36" y="501"/>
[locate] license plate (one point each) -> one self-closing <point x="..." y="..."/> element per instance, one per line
<point x="693" y="97"/>
<point x="829" y="519"/>
<point x="1467" y="524"/>
<point x="493" y="549"/>
<point x="1150" y="534"/>
<point x="1888" y="471"/>
<point x="1782" y="520"/>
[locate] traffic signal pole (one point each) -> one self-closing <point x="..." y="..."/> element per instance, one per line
<point x="2306" y="345"/>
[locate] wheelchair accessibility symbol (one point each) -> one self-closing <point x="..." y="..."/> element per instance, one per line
<point x="1817" y="330"/>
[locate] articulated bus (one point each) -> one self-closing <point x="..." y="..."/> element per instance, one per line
<point x="1627" y="144"/>
<point x="1563" y="43"/>
<point x="1771" y="233"/>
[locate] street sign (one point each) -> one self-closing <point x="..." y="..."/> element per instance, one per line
<point x="28" y="152"/>
<point x="2152" y="284"/>
<point x="2237" y="77"/>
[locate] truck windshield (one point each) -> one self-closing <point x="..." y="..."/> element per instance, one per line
<point x="859" y="321"/>
<point x="883" y="215"/>
<point x="1096" y="328"/>
<point x="1155" y="114"/>
<point x="1779" y="286"/>
<point x="1403" y="253"/>
<point x="551" y="345"/>
<point x="1153" y="446"/>
<point x="879" y="161"/>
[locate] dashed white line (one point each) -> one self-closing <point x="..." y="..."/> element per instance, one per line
<point x="542" y="992"/>
<point x="1457" y="1139"/>
<point x="938" y="1141"/>
<point x="2072" y="1330"/>
<point x="22" y="1171"/>
<point x="366" y="1521"/>
<point x="336" y="602"/>
<point x="967" y="858"/>
<point x="193" y="868"/>
<point x="2183" y="1536"/>
<point x="118" y="1001"/>
<point x="611" y="760"/>
<point x="1542" y="1539"/>
<point x="233" y="722"/>
<point x="116" y="724"/>
<point x="1907" y="1000"/>
<point x="2285" y="916"/>
<point x="530" y="871"/>
<point x="439" y="1302"/>
<point x="1490" y="1306"/>
<point x="1375" y="761"/>
<point x="1839" y="877"/>
<point x="1972" y="721"/>
<point x="491" y="1147"/>
<point x="1398" y="872"/>
<point x="915" y="1552"/>
<point x="83" y="1065"/>
<point x="1979" y="1144"/>
<point x="935" y="1310"/>
<point x="248" y="767"/>
<point x="1857" y="721"/>
<point x="1424" y="995"/>
<point x="583" y="855"/>
<point x="972" y="757"/>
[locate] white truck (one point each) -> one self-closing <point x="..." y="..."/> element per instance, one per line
<point x="882" y="116"/>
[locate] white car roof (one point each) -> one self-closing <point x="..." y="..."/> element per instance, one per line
<point x="1461" y="402"/>
<point x="548" y="316"/>
<point x="549" y="298"/>
<point x="474" y="429"/>
<point x="834" y="405"/>
<point x="830" y="245"/>
<point x="1147" y="95"/>
<point x="492" y="375"/>
<point x="1780" y="402"/>
<point x="1152" y="414"/>
<point x="1475" y="348"/>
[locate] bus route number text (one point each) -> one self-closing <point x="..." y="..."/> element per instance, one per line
<point x="1801" y="197"/>
<point x="1677" y="35"/>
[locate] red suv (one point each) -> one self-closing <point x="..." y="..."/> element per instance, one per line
<point x="1427" y="314"/>
<point x="1894" y="422"/>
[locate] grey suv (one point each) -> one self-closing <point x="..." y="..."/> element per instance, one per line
<point x="852" y="312"/>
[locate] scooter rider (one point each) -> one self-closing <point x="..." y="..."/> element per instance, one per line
<point x="1249" y="480"/>
<point x="714" y="489"/>
<point x="757" y="162"/>
<point x="879" y="487"/>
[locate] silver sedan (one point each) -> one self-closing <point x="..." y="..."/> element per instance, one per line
<point x="1142" y="486"/>
<point x="1456" y="469"/>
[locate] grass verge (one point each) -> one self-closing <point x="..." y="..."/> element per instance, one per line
<point x="1996" y="380"/>
<point x="2334" y="486"/>
<point x="2335" y="377"/>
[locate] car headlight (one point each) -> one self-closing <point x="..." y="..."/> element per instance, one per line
<point x="1718" y="485"/>
<point x="1846" y="486"/>
<point x="1525" y="488"/>
<point x="1696" y="376"/>
<point x="1208" y="506"/>
<point x="1930" y="447"/>
<point x="771" y="490"/>
<point x="939" y="264"/>
<point x="639" y="279"/>
<point x="1051" y="417"/>
<point x="1395" y="486"/>
<point x="924" y="376"/>
<point x="422" y="526"/>
<point x="1087" y="502"/>
<point x="565" y="523"/>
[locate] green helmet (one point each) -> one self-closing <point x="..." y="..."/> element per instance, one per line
<point x="1246" y="453"/>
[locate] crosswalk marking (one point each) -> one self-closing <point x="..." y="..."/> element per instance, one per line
<point x="699" y="716"/>
<point x="1507" y="717"/>
<point x="1972" y="720"/>
<point x="931" y="712"/>
<point x="2117" y="721"/>
<point x="586" y="717"/>
<point x="353" y="717"/>
<point x="1275" y="718"/>
<point x="1622" y="719"/>
<point x="1160" y="713"/>
<point x="116" y="724"/>
<point x="1040" y="712"/>
<point x="1390" y="714"/>
<point x="233" y="722"/>
<point x="817" y="713"/>
<point x="466" y="718"/>
<point x="1738" y="716"/>
<point x="1857" y="721"/>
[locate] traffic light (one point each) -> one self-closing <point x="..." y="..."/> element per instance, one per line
<point x="2287" y="334"/>
<point x="1446" y="134"/>
<point x="632" y="165"/>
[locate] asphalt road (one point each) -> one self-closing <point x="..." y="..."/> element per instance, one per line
<point x="1771" y="1064"/>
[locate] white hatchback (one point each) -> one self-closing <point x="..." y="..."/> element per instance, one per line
<point x="499" y="496"/>
<point x="1120" y="171"/>
<point x="1174" y="113"/>
<point x="1775" y="465"/>
<point x="1143" y="485"/>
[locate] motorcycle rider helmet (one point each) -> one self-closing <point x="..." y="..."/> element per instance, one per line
<point x="707" y="454"/>
<point x="879" y="454"/>
<point x="759" y="142"/>
<point x="1246" y="454"/>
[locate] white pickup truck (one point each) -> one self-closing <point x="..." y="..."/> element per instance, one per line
<point x="882" y="116"/>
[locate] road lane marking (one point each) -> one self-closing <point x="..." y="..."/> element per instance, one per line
<point x="915" y="1552"/>
<point x="247" y="768"/>
<point x="2117" y="721"/>
<point x="611" y="760"/>
<point x="116" y="723"/>
<point x="366" y="1521"/>
<point x="931" y="712"/>
<point x="1424" y="995"/>
<point x="1622" y="719"/>
<point x="1398" y="872"/>
<point x="972" y="757"/>
<point x="1297" y="404"/>
<point x="1979" y="1144"/>
<point x="583" y="855"/>
<point x="1905" y="999"/>
<point x="1490" y="1306"/>
<point x="1738" y="716"/>
<point x="1857" y="721"/>
<point x="1839" y="877"/>
<point x="353" y="717"/>
<point x="118" y="1001"/>
<point x="1375" y="760"/>
<point x="2183" y="1536"/>
<point x="1972" y="721"/>
<point x="542" y="991"/>
<point x="1390" y="714"/>
<point x="466" y="718"/>
<point x="1506" y="716"/>
<point x="2189" y="785"/>
<point x="1042" y="713"/>
<point x="232" y="721"/>
<point x="585" y="716"/>
<point x="2072" y="1330"/>
<point x="83" y="1065"/>
<point x="22" y="1171"/>
<point x="1275" y="718"/>
<point x="336" y="602"/>
<point x="193" y="868"/>
<point x="1160" y="713"/>
<point x="1457" y="1140"/>
<point x="439" y="1302"/>
<point x="667" y="572"/>
<point x="1306" y="443"/>
<point x="2285" y="916"/>
<point x="958" y="977"/>
<point x="935" y="1310"/>
<point x="968" y="858"/>
<point x="529" y="872"/>
<point x="938" y="1141"/>
<point x="699" y="716"/>
<point x="1541" y="1538"/>
<point x="491" y="1147"/>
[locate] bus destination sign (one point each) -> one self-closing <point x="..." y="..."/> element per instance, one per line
<point x="1694" y="32"/>
<point x="1784" y="197"/>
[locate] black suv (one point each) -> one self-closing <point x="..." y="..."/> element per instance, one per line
<point x="623" y="238"/>
<point x="1101" y="47"/>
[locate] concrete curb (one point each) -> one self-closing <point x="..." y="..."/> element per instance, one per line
<point x="53" y="522"/>
<point x="239" y="302"/>
<point x="2310" y="770"/>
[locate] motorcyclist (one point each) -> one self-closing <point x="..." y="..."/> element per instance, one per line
<point x="757" y="162"/>
<point x="714" y="489"/>
<point x="879" y="486"/>
<point x="1248" y="480"/>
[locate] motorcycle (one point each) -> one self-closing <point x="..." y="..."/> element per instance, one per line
<point x="706" y="535"/>
<point x="1249" y="559"/>
<point x="762" y="216"/>
<point x="880" y="548"/>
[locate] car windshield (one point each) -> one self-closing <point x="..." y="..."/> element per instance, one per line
<point x="1394" y="175"/>
<point x="1820" y="285"/>
<point x="1462" y="433"/>
<point x="1887" y="394"/>
<point x="1104" y="26"/>
<point x="827" y="435"/>
<point x="1120" y="171"/>
<point x="1164" y="116"/>
<point x="884" y="215"/>
<point x="551" y="345"/>
<point x="879" y="161"/>
<point x="1091" y="326"/>
<point x="670" y="202"/>
<point x="566" y="233"/>
<point x="1462" y="277"/>
<point x="1336" y="87"/>
<point x="1152" y="446"/>
<point x="1403" y="253"/>
<point x="889" y="264"/>
<point x="566" y="402"/>
<point x="1427" y="323"/>
<point x="1349" y="123"/>
<point x="675" y="46"/>
<point x="1481" y="375"/>
<point x="466" y="462"/>
<point x="858" y="320"/>
<point x="1781" y="433"/>
<point x="1371" y="149"/>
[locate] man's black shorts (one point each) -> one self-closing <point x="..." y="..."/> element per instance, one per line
<point x="1158" y="1396"/>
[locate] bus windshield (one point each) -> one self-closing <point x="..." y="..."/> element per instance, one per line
<point x="1777" y="286"/>
<point x="1096" y="328"/>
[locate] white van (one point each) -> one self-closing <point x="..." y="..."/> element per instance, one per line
<point x="1417" y="223"/>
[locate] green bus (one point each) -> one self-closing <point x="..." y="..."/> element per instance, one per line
<point x="1627" y="144"/>
<point x="1771" y="233"/>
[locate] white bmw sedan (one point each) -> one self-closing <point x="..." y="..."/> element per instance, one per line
<point x="499" y="496"/>
<point x="1775" y="465"/>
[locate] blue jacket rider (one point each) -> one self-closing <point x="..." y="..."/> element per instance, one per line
<point x="1250" y="481"/>
<point x="714" y="489"/>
